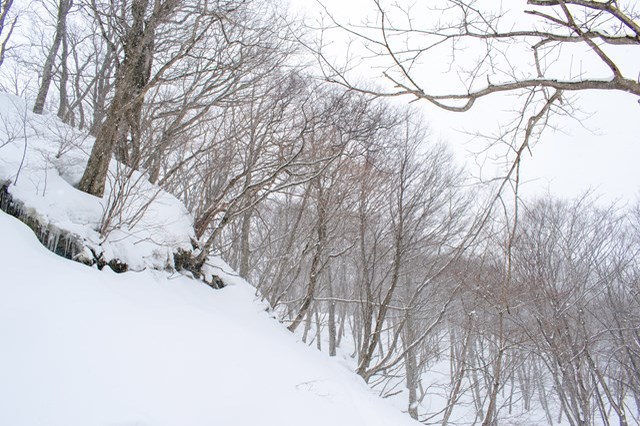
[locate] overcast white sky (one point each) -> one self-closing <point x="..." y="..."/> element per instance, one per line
<point x="600" y="151"/>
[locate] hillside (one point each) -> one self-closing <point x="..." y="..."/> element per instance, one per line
<point x="86" y="347"/>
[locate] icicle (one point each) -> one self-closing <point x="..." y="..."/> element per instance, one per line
<point x="67" y="248"/>
<point x="52" y="239"/>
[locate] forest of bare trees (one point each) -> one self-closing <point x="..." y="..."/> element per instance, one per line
<point x="362" y="232"/>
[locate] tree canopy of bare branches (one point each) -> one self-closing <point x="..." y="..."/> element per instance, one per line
<point x="520" y="47"/>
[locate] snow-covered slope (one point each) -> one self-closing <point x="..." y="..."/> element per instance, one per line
<point x="88" y="347"/>
<point x="82" y="347"/>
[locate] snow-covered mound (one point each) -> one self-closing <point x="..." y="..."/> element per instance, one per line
<point x="41" y="159"/>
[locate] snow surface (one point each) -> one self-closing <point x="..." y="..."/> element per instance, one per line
<point x="85" y="347"/>
<point x="88" y="347"/>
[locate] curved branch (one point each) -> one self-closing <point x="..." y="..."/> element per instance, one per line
<point x="468" y="99"/>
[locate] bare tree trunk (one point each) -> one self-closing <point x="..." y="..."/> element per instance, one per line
<point x="411" y="367"/>
<point x="316" y="267"/>
<point x="366" y="305"/>
<point x="318" y="330"/>
<point x="243" y="268"/>
<point x="341" y="328"/>
<point x="381" y="316"/>
<point x="125" y="109"/>
<point x="95" y="175"/>
<point x="542" y="393"/>
<point x="63" y="106"/>
<point x="47" y="71"/>
<point x="307" y="327"/>
<point x="331" y="323"/>
<point x="4" y="12"/>
<point x="100" y="91"/>
<point x="496" y="383"/>
<point x="475" y="355"/>
<point x="459" y="372"/>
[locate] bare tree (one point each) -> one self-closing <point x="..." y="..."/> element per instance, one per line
<point x="180" y="59"/>
<point x="339" y="126"/>
<point x="6" y="30"/>
<point x="572" y="257"/>
<point x="137" y="37"/>
<point x="485" y="49"/>
<point x="545" y="26"/>
<point x="425" y="219"/>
